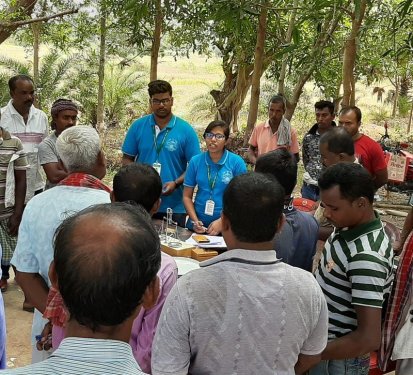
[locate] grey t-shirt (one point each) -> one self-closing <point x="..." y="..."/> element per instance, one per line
<point x="243" y="312"/>
<point x="48" y="153"/>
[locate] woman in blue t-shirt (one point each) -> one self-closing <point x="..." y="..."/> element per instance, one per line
<point x="211" y="171"/>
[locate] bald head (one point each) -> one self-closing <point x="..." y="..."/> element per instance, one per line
<point x="103" y="270"/>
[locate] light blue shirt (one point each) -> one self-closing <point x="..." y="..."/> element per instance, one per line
<point x="179" y="144"/>
<point x="85" y="356"/>
<point x="3" y="334"/>
<point x="221" y="173"/>
<point x="41" y="217"/>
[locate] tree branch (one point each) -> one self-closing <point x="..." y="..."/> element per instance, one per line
<point x="40" y="19"/>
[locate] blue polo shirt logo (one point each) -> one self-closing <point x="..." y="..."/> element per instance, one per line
<point x="227" y="176"/>
<point x="171" y="145"/>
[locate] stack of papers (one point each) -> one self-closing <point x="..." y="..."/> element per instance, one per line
<point x="215" y="242"/>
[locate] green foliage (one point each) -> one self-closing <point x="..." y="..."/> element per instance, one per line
<point x="203" y="109"/>
<point x="123" y="97"/>
<point x="8" y="68"/>
<point x="54" y="71"/>
<point x="379" y="114"/>
<point x="404" y="106"/>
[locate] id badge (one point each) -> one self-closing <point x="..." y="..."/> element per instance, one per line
<point x="209" y="207"/>
<point x="157" y="167"/>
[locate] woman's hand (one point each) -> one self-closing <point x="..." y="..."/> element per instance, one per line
<point x="199" y="227"/>
<point x="215" y="228"/>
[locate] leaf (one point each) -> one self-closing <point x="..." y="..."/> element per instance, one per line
<point x="405" y="7"/>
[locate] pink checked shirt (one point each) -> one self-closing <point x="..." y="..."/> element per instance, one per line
<point x="144" y="326"/>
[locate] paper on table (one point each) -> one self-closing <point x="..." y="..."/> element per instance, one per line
<point x="215" y="242"/>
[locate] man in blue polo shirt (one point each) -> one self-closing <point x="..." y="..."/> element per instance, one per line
<point x="166" y="142"/>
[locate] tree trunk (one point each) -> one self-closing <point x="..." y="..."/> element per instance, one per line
<point x="100" y="123"/>
<point x="156" y="41"/>
<point x="19" y="11"/>
<point x="257" y="72"/>
<point x="350" y="53"/>
<point x="409" y="126"/>
<point x="405" y="84"/>
<point x="229" y="100"/>
<point x="337" y="98"/>
<point x="36" y="28"/>
<point x="289" y="36"/>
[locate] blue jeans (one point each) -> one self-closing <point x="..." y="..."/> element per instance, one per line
<point x="351" y="366"/>
<point x="310" y="192"/>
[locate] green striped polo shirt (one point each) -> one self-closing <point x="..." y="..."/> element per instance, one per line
<point x="355" y="269"/>
<point x="9" y="145"/>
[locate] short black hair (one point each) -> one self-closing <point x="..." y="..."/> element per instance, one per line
<point x="218" y="123"/>
<point x="325" y="104"/>
<point x="280" y="164"/>
<point x="139" y="183"/>
<point x="159" y="87"/>
<point x="19" y="77"/>
<point x="353" y="108"/>
<point x="103" y="282"/>
<point x="338" y="141"/>
<point x="353" y="180"/>
<point x="279" y="98"/>
<point x="253" y="203"/>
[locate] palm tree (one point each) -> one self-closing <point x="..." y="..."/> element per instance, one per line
<point x="54" y="71"/>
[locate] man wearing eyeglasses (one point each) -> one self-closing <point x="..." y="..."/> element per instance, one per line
<point x="166" y="142"/>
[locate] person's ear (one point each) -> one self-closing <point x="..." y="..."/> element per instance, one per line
<point x="342" y="156"/>
<point x="53" y="276"/>
<point x="155" y="207"/>
<point x="101" y="158"/>
<point x="226" y="225"/>
<point x="150" y="297"/>
<point x="100" y="165"/>
<point x="281" y="222"/>
<point x="362" y="202"/>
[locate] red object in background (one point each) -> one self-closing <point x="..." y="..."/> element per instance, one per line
<point x="409" y="156"/>
<point x="303" y="204"/>
<point x="374" y="369"/>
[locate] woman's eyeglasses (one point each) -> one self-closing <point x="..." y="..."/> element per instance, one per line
<point x="218" y="137"/>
